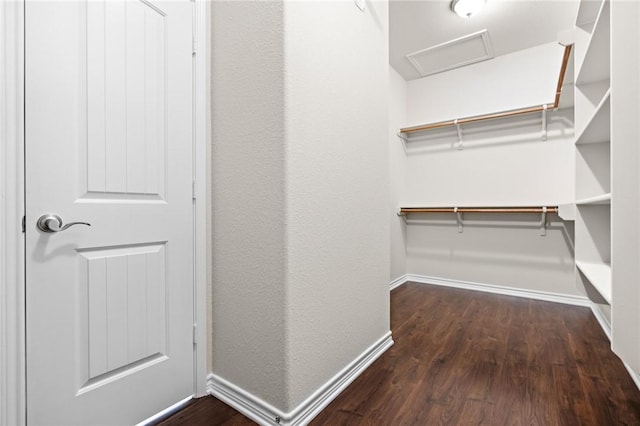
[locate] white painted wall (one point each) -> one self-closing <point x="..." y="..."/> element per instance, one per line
<point x="397" y="172"/>
<point x="504" y="162"/>
<point x="524" y="78"/>
<point x="248" y="224"/>
<point x="337" y="186"/>
<point x="300" y="192"/>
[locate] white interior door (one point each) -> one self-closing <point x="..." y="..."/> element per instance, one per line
<point x="109" y="141"/>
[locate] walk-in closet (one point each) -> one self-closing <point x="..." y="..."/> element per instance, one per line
<point x="319" y="212"/>
<point x="519" y="174"/>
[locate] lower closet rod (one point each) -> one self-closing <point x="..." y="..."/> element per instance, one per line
<point x="542" y="209"/>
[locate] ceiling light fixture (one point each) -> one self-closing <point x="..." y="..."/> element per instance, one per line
<point x="466" y="8"/>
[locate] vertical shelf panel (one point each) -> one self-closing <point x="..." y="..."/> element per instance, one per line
<point x="625" y="156"/>
<point x="594" y="195"/>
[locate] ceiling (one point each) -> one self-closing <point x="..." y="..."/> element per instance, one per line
<point x="512" y="25"/>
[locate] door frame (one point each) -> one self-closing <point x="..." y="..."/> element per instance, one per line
<point x="202" y="152"/>
<point x="12" y="247"/>
<point x="12" y="255"/>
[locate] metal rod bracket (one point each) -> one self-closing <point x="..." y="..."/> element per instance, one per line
<point x="458" y="219"/>
<point x="544" y="122"/>
<point x="460" y="146"/>
<point x="543" y="223"/>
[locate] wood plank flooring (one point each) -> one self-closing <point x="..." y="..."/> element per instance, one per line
<point x="469" y="358"/>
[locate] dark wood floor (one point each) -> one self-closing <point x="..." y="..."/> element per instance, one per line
<point x="467" y="358"/>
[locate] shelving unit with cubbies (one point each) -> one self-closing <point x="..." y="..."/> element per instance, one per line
<point x="593" y="147"/>
<point x="607" y="122"/>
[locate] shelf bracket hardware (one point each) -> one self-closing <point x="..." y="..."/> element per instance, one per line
<point x="543" y="223"/>
<point x="458" y="219"/>
<point x="402" y="136"/>
<point x="544" y="122"/>
<point x="460" y="146"/>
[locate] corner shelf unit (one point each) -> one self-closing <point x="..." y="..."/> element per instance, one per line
<point x="607" y="168"/>
<point x="593" y="146"/>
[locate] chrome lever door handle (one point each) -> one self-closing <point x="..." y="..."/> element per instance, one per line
<point x="53" y="223"/>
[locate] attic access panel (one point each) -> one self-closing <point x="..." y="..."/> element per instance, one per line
<point x="452" y="54"/>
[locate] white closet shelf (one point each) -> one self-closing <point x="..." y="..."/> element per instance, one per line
<point x="596" y="62"/>
<point x="598" y="128"/>
<point x="595" y="200"/>
<point x="599" y="275"/>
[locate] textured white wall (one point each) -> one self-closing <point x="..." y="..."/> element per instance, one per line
<point x="248" y="223"/>
<point x="524" y="78"/>
<point x="504" y="162"/>
<point x="300" y="192"/>
<point x="397" y="172"/>
<point x="337" y="187"/>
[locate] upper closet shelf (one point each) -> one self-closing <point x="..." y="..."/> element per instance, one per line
<point x="405" y="132"/>
<point x="596" y="63"/>
<point x="598" y="128"/>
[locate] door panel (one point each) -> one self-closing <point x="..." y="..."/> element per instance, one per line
<point x="123" y="299"/>
<point x="126" y="98"/>
<point x="109" y="142"/>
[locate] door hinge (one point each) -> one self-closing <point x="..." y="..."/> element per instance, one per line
<point x="24" y="224"/>
<point x="193" y="189"/>
<point x="194" y="46"/>
<point x="195" y="334"/>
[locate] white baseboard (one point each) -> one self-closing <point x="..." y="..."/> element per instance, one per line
<point x="496" y="289"/>
<point x="397" y="282"/>
<point x="606" y="327"/>
<point x="633" y="374"/>
<point x="265" y="414"/>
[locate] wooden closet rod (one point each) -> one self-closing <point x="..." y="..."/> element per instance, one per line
<point x="510" y="113"/>
<point x="551" y="209"/>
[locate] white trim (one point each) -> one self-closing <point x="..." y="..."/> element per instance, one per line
<point x="265" y="414"/>
<point x="398" y="282"/>
<point x="633" y="374"/>
<point x="604" y="324"/>
<point x="606" y="328"/>
<point x="497" y="289"/>
<point x="202" y="98"/>
<point x="12" y="343"/>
